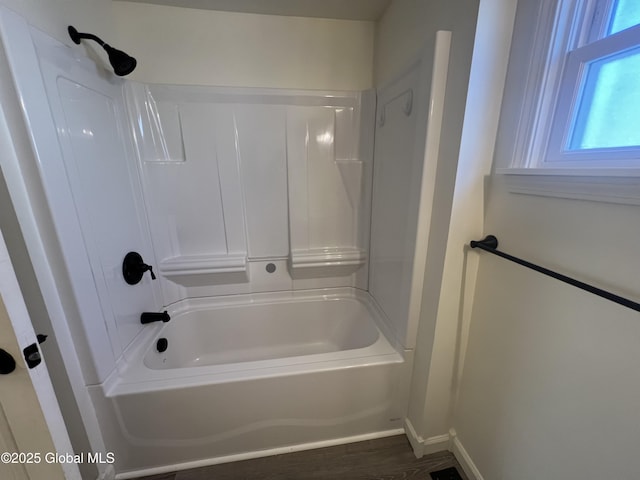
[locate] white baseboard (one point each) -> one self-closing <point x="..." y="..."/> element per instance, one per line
<point x="427" y="446"/>
<point x="464" y="459"/>
<point x="257" y="454"/>
<point x="108" y="473"/>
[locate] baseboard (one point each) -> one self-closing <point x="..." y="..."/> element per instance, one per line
<point x="427" y="446"/>
<point x="257" y="454"/>
<point x="108" y="473"/>
<point x="464" y="459"/>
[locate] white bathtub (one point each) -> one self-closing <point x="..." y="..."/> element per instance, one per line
<point x="220" y="335"/>
<point x="252" y="375"/>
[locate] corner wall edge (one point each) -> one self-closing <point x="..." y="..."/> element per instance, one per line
<point x="422" y="446"/>
<point x="463" y="457"/>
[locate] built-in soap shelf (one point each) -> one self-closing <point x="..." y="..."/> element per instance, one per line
<point x="200" y="270"/>
<point x="326" y="262"/>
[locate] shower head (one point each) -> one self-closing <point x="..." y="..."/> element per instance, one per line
<point x="122" y="63"/>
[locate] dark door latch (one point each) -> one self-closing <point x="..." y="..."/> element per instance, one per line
<point x="32" y="354"/>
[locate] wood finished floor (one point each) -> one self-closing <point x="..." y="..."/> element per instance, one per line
<point x="388" y="458"/>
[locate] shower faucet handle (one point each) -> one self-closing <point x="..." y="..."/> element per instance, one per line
<point x="150" y="269"/>
<point x="133" y="268"/>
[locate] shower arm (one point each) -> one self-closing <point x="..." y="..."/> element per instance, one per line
<point x="77" y="37"/>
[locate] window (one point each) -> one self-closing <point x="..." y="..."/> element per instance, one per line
<point x="586" y="114"/>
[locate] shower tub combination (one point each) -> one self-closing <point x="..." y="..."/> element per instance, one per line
<point x="232" y="375"/>
<point x="252" y="375"/>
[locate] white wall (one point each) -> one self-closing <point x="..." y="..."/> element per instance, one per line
<point x="401" y="34"/>
<point x="407" y="25"/>
<point x="203" y="47"/>
<point x="550" y="387"/>
<point x="406" y="29"/>
<point x="54" y="16"/>
<point x="486" y="84"/>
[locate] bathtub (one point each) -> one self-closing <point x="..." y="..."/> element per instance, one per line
<point x="252" y="375"/>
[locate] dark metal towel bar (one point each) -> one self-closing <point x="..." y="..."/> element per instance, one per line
<point x="490" y="244"/>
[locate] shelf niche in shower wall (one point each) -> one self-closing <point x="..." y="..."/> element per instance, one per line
<point x="325" y="187"/>
<point x="189" y="167"/>
<point x="336" y="262"/>
<point x="198" y="270"/>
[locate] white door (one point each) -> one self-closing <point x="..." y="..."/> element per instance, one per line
<point x="31" y="425"/>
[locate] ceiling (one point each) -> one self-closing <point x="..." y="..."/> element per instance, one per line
<point x="369" y="10"/>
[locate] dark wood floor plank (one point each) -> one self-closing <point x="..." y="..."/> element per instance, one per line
<point x="162" y="476"/>
<point x="388" y="458"/>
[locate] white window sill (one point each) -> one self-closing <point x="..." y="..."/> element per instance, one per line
<point x="620" y="186"/>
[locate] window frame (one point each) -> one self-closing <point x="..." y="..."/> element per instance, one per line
<point x="576" y="66"/>
<point x="566" y="37"/>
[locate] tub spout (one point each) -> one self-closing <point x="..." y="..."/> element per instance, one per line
<point x="150" y="317"/>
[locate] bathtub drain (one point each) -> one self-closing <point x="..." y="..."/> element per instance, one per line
<point x="162" y="344"/>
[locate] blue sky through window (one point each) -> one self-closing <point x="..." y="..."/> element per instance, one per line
<point x="608" y="114"/>
<point x="625" y="14"/>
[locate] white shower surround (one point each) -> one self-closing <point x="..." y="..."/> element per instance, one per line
<point x="284" y="176"/>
